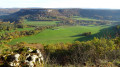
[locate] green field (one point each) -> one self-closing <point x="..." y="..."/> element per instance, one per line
<point x="40" y="23"/>
<point x="65" y="34"/>
<point x="87" y="19"/>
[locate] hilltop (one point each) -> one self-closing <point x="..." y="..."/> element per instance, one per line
<point x="59" y="14"/>
<point x="7" y="11"/>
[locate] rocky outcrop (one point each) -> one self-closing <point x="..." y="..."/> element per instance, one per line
<point x="30" y="58"/>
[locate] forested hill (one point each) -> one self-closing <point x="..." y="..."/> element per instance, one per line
<point x="62" y="14"/>
<point x="101" y="14"/>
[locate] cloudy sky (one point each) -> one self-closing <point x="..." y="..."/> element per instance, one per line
<point x="109" y="4"/>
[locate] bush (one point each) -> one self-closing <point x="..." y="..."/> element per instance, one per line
<point x="86" y="34"/>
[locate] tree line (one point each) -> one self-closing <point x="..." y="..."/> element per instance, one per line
<point x="84" y="22"/>
<point x="8" y="36"/>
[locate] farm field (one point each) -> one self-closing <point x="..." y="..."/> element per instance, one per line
<point x="66" y="34"/>
<point x="40" y="23"/>
<point x="87" y="19"/>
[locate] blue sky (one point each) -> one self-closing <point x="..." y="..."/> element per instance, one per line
<point x="110" y="4"/>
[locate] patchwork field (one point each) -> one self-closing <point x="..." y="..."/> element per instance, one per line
<point x="33" y="23"/>
<point x="40" y="23"/>
<point x="66" y="34"/>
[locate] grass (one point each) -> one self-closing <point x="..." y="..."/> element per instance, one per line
<point x="40" y="23"/>
<point x="86" y="19"/>
<point x="63" y="34"/>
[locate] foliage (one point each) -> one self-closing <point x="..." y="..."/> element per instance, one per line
<point x="95" y="51"/>
<point x="61" y="30"/>
<point x="86" y="34"/>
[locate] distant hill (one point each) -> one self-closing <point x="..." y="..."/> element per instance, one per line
<point x="7" y="11"/>
<point x="60" y="14"/>
<point x="101" y="14"/>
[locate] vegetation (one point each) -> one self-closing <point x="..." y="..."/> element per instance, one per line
<point x="80" y="18"/>
<point x="61" y="14"/>
<point x="97" y="51"/>
<point x="66" y="34"/>
<point x="39" y="23"/>
<point x="73" y="37"/>
<point x="102" y="52"/>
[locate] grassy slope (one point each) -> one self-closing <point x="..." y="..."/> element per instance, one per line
<point x="40" y="23"/>
<point x="87" y="19"/>
<point x="64" y="34"/>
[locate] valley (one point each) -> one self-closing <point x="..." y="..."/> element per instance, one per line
<point x="66" y="34"/>
<point x="62" y="37"/>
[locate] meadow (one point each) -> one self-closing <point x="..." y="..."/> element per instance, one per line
<point x="88" y="19"/>
<point x="65" y="34"/>
<point x="39" y="23"/>
<point x="81" y="18"/>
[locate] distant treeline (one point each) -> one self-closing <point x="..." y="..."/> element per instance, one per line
<point x="61" y="14"/>
<point x="84" y="22"/>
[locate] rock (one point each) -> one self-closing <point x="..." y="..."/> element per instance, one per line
<point x="34" y="57"/>
<point x="30" y="50"/>
<point x="10" y="58"/>
<point x="30" y="64"/>
<point x="31" y="58"/>
<point x="14" y="64"/>
<point x="16" y="57"/>
<point x="38" y="51"/>
<point x="13" y="59"/>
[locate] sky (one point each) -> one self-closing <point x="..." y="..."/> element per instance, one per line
<point x="99" y="4"/>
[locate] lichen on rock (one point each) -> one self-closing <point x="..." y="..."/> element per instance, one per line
<point x="29" y="58"/>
